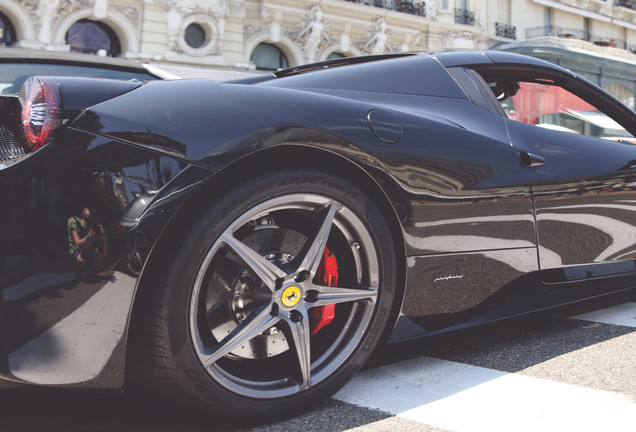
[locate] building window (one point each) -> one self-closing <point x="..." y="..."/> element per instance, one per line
<point x="7" y="32"/>
<point x="335" y="56"/>
<point x="199" y="36"/>
<point x="93" y="37"/>
<point x="463" y="15"/>
<point x="268" y="57"/>
<point x="195" y="35"/>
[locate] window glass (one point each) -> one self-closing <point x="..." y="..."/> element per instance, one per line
<point x="269" y="57"/>
<point x="335" y="56"/>
<point x="7" y="32"/>
<point x="93" y="37"/>
<point x="549" y="106"/>
<point x="195" y="35"/>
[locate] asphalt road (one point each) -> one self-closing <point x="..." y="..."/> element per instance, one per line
<point x="551" y="371"/>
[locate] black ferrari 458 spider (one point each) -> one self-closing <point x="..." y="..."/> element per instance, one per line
<point x="244" y="246"/>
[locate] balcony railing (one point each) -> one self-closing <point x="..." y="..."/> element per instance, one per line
<point x="463" y="16"/>
<point x="631" y="4"/>
<point x="411" y="7"/>
<point x="406" y="6"/>
<point x="608" y="42"/>
<point x="564" y="32"/>
<point x="505" y="31"/>
<point x="572" y="33"/>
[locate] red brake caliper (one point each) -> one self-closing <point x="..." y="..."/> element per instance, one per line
<point x="327" y="276"/>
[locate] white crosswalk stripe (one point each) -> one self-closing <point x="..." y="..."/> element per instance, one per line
<point x="464" y="398"/>
<point x="623" y="314"/>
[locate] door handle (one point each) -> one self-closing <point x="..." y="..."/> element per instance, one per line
<point x="529" y="160"/>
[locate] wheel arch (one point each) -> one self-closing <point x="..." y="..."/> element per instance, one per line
<point x="261" y="162"/>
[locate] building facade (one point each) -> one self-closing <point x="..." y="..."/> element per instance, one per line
<point x="226" y="39"/>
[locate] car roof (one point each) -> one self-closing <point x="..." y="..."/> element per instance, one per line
<point x="450" y="58"/>
<point x="492" y="57"/>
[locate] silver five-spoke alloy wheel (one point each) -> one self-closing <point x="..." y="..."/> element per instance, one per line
<point x="287" y="295"/>
<point x="269" y="299"/>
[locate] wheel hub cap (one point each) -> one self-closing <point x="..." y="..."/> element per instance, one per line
<point x="291" y="296"/>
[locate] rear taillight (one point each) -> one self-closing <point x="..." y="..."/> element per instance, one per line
<point x="41" y="110"/>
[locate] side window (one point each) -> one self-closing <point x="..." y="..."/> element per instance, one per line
<point x="545" y="104"/>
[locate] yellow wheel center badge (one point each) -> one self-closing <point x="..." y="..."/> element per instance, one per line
<point x="291" y="296"/>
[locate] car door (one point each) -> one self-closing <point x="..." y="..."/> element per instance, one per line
<point x="580" y="161"/>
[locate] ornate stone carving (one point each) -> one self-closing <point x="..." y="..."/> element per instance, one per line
<point x="455" y="39"/>
<point x="216" y="8"/>
<point x="266" y="14"/>
<point x="250" y="30"/>
<point x="408" y="41"/>
<point x="237" y="10"/>
<point x="31" y="7"/>
<point x="131" y="13"/>
<point x="46" y="12"/>
<point x="481" y="18"/>
<point x="210" y="15"/>
<point x="377" y="42"/>
<point x="431" y="9"/>
<point x="313" y="35"/>
<point x="28" y="4"/>
<point x="70" y="6"/>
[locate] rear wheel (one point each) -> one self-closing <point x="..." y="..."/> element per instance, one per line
<point x="274" y="299"/>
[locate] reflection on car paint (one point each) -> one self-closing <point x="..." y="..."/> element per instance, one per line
<point x="487" y="278"/>
<point x="130" y="192"/>
<point x="79" y="346"/>
<point x="600" y="223"/>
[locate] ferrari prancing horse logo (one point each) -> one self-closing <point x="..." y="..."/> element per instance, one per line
<point x="291" y="296"/>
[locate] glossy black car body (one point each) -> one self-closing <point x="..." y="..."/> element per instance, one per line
<point x="482" y="217"/>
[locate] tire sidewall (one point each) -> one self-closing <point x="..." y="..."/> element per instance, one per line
<point x="191" y="376"/>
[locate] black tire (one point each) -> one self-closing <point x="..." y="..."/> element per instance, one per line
<point x="245" y="274"/>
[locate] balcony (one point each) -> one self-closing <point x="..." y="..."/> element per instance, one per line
<point x="463" y="16"/>
<point x="505" y="31"/>
<point x="411" y="7"/>
<point x="614" y="43"/>
<point x="631" y="4"/>
<point x="573" y="33"/>
<point x="405" y="6"/>
<point x="562" y="32"/>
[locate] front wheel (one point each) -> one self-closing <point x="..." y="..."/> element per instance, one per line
<point x="275" y="297"/>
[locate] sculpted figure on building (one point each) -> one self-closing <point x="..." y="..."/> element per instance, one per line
<point x="377" y="44"/>
<point x="46" y="12"/>
<point x="313" y="34"/>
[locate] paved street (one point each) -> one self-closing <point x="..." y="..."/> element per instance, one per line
<point x="570" y="369"/>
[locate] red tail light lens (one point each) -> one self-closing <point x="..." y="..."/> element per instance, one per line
<point x="41" y="110"/>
